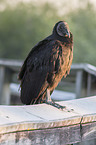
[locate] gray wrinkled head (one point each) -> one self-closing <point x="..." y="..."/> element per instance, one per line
<point x="62" y="29"/>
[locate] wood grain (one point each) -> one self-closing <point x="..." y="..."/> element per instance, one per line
<point x="45" y="124"/>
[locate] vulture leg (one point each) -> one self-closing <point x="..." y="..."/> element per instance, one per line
<point x="48" y="98"/>
<point x="50" y="102"/>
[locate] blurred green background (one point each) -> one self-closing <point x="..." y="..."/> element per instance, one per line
<point x="24" y="24"/>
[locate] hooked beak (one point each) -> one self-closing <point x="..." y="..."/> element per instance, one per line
<point x="67" y="34"/>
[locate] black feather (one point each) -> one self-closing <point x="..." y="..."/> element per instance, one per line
<point x="43" y="65"/>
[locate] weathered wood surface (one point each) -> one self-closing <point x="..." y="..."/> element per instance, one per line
<point x="7" y="69"/>
<point x="45" y="124"/>
<point x="86" y="67"/>
<point x="15" y="64"/>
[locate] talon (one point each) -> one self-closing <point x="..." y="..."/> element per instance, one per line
<point x="55" y="105"/>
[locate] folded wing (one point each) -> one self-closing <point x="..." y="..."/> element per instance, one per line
<point x="39" y="69"/>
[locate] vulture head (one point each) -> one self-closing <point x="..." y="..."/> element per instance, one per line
<point x="61" y="28"/>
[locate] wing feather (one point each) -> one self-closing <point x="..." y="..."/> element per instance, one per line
<point x="38" y="70"/>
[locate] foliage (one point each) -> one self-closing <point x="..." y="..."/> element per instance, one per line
<point x="23" y="26"/>
<point x="83" y="24"/>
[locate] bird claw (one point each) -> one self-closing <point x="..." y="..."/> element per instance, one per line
<point x="55" y="105"/>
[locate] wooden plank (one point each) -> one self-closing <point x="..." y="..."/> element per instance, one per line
<point x="2" y="71"/>
<point x="79" y="77"/>
<point x="8" y="62"/>
<point x="86" y="67"/>
<point x="17" y="64"/>
<point x="5" y="78"/>
<point x="45" y="124"/>
<point x="11" y="64"/>
<point x="89" y="84"/>
<point x="54" y="136"/>
<point x="88" y="131"/>
<point x="47" y="116"/>
<point x="84" y="107"/>
<point x="62" y="135"/>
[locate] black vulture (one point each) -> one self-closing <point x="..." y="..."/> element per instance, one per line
<point x="46" y="64"/>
